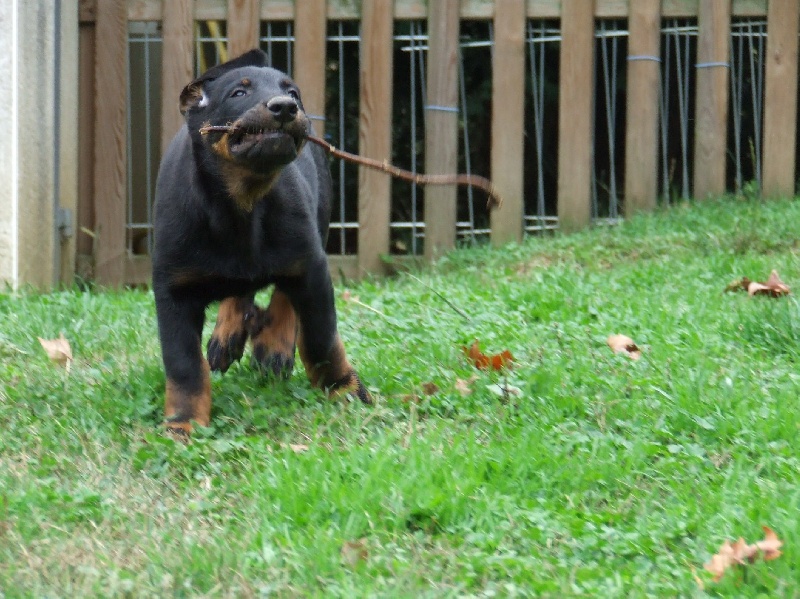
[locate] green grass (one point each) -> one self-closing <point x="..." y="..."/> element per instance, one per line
<point x="605" y="477"/>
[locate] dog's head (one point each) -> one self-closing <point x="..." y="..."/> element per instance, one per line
<point x="260" y="105"/>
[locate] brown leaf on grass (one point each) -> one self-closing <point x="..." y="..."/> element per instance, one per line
<point x="354" y="552"/>
<point x="464" y="386"/>
<point x="623" y="343"/>
<point x="738" y="285"/>
<point x="482" y="361"/>
<point x="430" y="388"/>
<point x="741" y="553"/>
<point x="58" y="350"/>
<point x="774" y="287"/>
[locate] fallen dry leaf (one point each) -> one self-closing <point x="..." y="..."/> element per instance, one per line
<point x="774" y="287"/>
<point x="354" y="552"/>
<point x="740" y="552"/>
<point x="464" y="386"/>
<point x="623" y="343"/>
<point x="482" y="361"/>
<point x="430" y="388"/>
<point x="58" y="350"/>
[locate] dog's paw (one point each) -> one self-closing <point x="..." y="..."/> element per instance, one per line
<point x="350" y="384"/>
<point x="222" y="351"/>
<point x="275" y="363"/>
<point x="178" y="431"/>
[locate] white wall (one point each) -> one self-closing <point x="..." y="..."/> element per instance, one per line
<point x="30" y="161"/>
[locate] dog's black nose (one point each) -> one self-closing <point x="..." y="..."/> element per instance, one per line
<point x="283" y="108"/>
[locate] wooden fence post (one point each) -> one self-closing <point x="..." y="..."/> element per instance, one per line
<point x="780" y="99"/>
<point x="244" y="26"/>
<point x="177" y="66"/>
<point x="110" y="148"/>
<point x="644" y="74"/>
<point x="575" y="108"/>
<point x="441" y="125"/>
<point x="711" y="112"/>
<point x="375" y="132"/>
<point x="310" y="23"/>
<point x="508" y="116"/>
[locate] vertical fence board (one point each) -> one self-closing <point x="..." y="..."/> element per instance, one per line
<point x="111" y="82"/>
<point x="309" y="58"/>
<point x="441" y="126"/>
<point x="178" y="64"/>
<point x="780" y="101"/>
<point x="575" y="106"/>
<point x="508" y="116"/>
<point x="86" y="113"/>
<point x="641" y="126"/>
<point x="711" y="112"/>
<point x="375" y="131"/>
<point x="244" y="26"/>
<point x="68" y="105"/>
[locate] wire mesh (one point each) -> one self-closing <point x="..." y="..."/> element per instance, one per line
<point x="143" y="132"/>
<point x="543" y="39"/>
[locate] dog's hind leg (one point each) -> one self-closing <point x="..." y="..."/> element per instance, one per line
<point x="226" y="344"/>
<point x="273" y="332"/>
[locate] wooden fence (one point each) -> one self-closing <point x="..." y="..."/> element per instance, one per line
<point x="103" y="37"/>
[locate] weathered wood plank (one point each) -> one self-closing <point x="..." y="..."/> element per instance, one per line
<point x="508" y="112"/>
<point x="441" y="126"/>
<point x="283" y="10"/>
<point x="243" y="26"/>
<point x="110" y="164"/>
<point x="780" y="100"/>
<point x="711" y="102"/>
<point x="69" y="106"/>
<point x="85" y="216"/>
<point x="310" y="27"/>
<point x="178" y="68"/>
<point x="375" y="132"/>
<point x="575" y="114"/>
<point x="644" y="72"/>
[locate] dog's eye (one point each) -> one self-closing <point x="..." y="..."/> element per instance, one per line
<point x="238" y="93"/>
<point x="293" y="93"/>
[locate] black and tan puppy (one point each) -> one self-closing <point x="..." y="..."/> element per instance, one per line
<point x="237" y="211"/>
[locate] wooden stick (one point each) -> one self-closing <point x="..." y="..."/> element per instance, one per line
<point x="494" y="201"/>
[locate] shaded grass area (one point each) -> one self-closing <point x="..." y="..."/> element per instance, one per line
<point x="604" y="477"/>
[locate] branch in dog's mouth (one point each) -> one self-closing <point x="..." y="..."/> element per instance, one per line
<point x="494" y="201"/>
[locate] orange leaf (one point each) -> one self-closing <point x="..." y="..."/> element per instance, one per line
<point x="741" y="553"/>
<point x="623" y="343"/>
<point x="482" y="361"/>
<point x="771" y="544"/>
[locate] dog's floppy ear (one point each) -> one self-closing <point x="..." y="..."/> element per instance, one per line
<point x="193" y="95"/>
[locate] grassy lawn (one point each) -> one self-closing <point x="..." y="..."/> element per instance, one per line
<point x="602" y="477"/>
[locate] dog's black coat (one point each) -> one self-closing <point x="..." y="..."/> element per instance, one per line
<point x="235" y="212"/>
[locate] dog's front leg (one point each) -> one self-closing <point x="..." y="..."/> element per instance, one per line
<point x="226" y="344"/>
<point x="188" y="394"/>
<point x="320" y="347"/>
